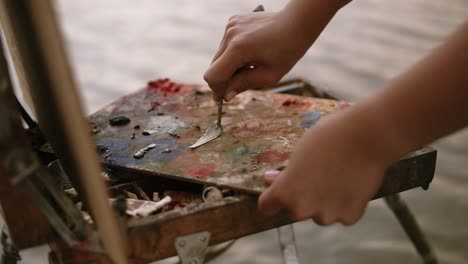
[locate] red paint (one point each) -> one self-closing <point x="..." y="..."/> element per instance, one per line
<point x="295" y="101"/>
<point x="272" y="156"/>
<point x="201" y="171"/>
<point x="166" y="86"/>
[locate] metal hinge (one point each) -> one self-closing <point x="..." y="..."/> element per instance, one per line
<point x="191" y="249"/>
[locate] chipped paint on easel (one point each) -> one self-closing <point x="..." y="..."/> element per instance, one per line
<point x="261" y="129"/>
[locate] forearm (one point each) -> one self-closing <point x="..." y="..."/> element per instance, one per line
<point x="428" y="101"/>
<point x="312" y="16"/>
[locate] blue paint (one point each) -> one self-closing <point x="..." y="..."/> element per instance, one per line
<point x="310" y="118"/>
<point x="119" y="152"/>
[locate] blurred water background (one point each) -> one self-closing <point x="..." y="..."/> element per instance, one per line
<point x="117" y="45"/>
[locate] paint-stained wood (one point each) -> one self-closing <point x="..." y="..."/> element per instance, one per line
<point x="26" y="225"/>
<point x="260" y="131"/>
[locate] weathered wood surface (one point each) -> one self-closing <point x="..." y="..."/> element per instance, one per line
<point x="260" y="131"/>
<point x="27" y="226"/>
<point x="152" y="238"/>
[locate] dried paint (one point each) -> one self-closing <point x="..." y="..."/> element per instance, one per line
<point x="141" y="153"/>
<point x="164" y="124"/>
<point x="148" y="132"/>
<point x="310" y="118"/>
<point x="295" y="101"/>
<point x="261" y="124"/>
<point x="268" y="126"/>
<point x="240" y="151"/>
<point x="173" y="133"/>
<point x="166" y="86"/>
<point x="272" y="156"/>
<point x="201" y="171"/>
<point x="119" y="121"/>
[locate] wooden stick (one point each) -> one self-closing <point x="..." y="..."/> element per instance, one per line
<point x="59" y="111"/>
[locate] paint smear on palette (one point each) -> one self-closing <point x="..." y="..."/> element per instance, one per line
<point x="257" y="127"/>
<point x="202" y="170"/>
<point x="193" y="167"/>
<point x="296" y="101"/>
<point x="272" y="156"/>
<point x="167" y="87"/>
<point x="310" y="118"/>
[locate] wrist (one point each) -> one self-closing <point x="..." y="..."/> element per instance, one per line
<point x="310" y="17"/>
<point x="363" y="130"/>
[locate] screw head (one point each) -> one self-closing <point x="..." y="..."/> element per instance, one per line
<point x="181" y="243"/>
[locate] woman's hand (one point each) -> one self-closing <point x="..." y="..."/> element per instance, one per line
<point x="258" y="49"/>
<point x="333" y="172"/>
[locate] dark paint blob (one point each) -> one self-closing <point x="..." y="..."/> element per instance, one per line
<point x="310" y="118"/>
<point x="119" y="121"/>
<point x="272" y="156"/>
<point x="202" y="170"/>
<point x="174" y="133"/>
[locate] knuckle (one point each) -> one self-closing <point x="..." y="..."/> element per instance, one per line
<point x="298" y="212"/>
<point x="348" y="220"/>
<point x="352" y="214"/>
<point x="324" y="219"/>
<point x="233" y="19"/>
<point x="205" y="77"/>
<point x="239" y="44"/>
<point x="230" y="33"/>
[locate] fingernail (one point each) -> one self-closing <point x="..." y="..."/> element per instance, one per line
<point x="270" y="175"/>
<point x="231" y="94"/>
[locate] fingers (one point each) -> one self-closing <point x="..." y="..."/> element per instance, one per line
<point x="219" y="73"/>
<point x="322" y="212"/>
<point x="270" y="176"/>
<point x="229" y="33"/>
<point x="250" y="78"/>
<point x="269" y="203"/>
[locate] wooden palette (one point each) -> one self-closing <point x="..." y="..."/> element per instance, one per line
<point x="260" y="131"/>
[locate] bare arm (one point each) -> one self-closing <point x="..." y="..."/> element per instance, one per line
<point x="339" y="164"/>
<point x="428" y="101"/>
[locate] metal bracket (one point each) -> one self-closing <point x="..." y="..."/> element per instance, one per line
<point x="191" y="249"/>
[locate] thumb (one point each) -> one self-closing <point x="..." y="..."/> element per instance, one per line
<point x="270" y="176"/>
<point x="249" y="79"/>
<point x="269" y="202"/>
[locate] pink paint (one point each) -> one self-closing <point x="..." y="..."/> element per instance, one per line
<point x="202" y="170"/>
<point x="272" y="156"/>
<point x="344" y="105"/>
<point x="255" y="128"/>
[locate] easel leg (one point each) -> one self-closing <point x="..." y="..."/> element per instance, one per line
<point x="411" y="227"/>
<point x="288" y="244"/>
<point x="10" y="254"/>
